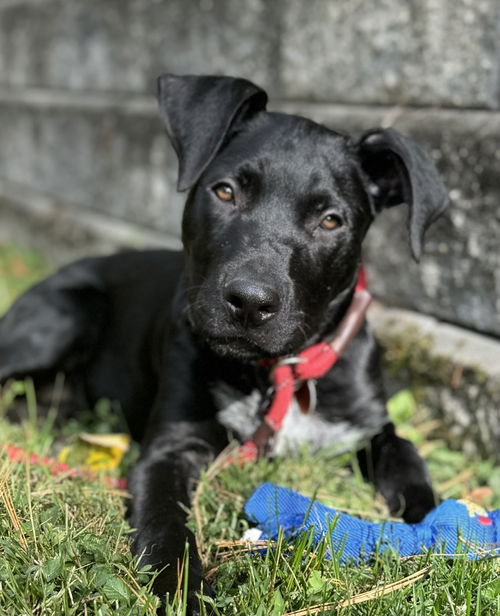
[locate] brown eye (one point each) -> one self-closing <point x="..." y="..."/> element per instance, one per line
<point x="330" y="222"/>
<point x="224" y="192"/>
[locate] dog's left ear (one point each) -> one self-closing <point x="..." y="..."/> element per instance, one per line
<point x="199" y="112"/>
<point x="399" y="171"/>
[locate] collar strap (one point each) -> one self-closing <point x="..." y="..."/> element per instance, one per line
<point x="289" y="373"/>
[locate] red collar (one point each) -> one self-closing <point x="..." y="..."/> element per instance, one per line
<point x="289" y="374"/>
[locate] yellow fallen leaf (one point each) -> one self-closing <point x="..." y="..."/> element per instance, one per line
<point x="120" y="441"/>
<point x="96" y="452"/>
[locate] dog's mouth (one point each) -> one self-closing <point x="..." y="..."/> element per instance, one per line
<point x="238" y="347"/>
<point x="246" y="349"/>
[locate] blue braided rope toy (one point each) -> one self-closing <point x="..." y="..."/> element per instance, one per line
<point x="453" y="527"/>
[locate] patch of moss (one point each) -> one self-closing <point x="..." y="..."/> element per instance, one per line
<point x="445" y="387"/>
<point x="410" y="354"/>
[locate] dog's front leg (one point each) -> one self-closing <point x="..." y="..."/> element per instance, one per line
<point x="161" y="485"/>
<point x="182" y="437"/>
<point x="399" y="474"/>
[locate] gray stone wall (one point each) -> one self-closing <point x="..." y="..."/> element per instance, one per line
<point x="81" y="147"/>
<point x="430" y="52"/>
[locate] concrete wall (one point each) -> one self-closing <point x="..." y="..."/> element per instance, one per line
<point x="84" y="164"/>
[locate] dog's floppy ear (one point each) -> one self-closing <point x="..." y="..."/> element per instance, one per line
<point x="399" y="171"/>
<point x="198" y="112"/>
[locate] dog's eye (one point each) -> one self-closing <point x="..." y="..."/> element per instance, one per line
<point x="330" y="222"/>
<point x="224" y="192"/>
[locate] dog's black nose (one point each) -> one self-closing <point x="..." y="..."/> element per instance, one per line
<point x="251" y="302"/>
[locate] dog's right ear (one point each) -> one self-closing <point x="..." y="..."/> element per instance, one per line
<point x="198" y="113"/>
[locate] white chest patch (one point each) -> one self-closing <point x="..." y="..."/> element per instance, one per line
<point x="238" y="413"/>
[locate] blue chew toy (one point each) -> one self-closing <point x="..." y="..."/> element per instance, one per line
<point x="454" y="527"/>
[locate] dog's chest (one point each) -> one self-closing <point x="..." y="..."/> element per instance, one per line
<point x="239" y="414"/>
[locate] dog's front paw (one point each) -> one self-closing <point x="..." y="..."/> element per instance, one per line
<point x="413" y="503"/>
<point x="400" y="475"/>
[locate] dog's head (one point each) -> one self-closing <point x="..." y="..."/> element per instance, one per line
<point x="277" y="211"/>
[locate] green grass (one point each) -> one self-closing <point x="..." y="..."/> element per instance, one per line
<point x="64" y="545"/>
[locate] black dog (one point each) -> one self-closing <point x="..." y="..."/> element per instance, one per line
<point x="274" y="221"/>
